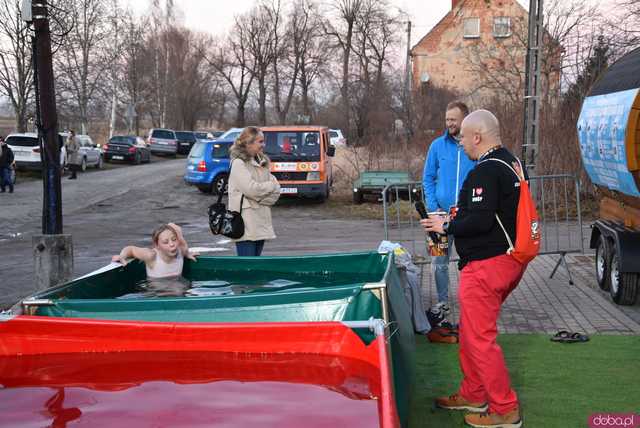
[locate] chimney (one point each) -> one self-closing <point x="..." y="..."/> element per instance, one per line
<point x="454" y="3"/>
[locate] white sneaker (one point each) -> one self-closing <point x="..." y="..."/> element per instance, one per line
<point x="441" y="307"/>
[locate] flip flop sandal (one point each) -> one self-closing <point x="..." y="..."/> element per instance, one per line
<point x="561" y="336"/>
<point x="564" y="336"/>
<point x="577" y="337"/>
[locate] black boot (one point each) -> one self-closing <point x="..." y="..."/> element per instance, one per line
<point x="10" y="189"/>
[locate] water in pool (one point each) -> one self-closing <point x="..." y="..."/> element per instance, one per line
<point x="187" y="389"/>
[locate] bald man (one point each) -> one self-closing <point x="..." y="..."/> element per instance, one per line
<point x="488" y="274"/>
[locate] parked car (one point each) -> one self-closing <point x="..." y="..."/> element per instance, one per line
<point x="163" y="141"/>
<point x="90" y="154"/>
<point x="26" y="150"/>
<point x="128" y="148"/>
<point x="336" y="137"/>
<point x="204" y="135"/>
<point x="301" y="159"/>
<point x="374" y="182"/>
<point x="186" y="140"/>
<point x="217" y="134"/>
<point x="208" y="166"/>
<point x="231" y="134"/>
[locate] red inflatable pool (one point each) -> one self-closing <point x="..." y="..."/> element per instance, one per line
<point x="106" y="373"/>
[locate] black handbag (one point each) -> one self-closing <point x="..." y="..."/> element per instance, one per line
<point x="225" y="222"/>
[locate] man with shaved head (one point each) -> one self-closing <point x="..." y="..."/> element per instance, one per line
<point x="487" y="207"/>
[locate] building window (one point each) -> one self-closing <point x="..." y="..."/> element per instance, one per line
<point x="471" y="28"/>
<point x="501" y="26"/>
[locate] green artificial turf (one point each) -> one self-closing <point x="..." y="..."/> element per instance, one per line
<point x="559" y="385"/>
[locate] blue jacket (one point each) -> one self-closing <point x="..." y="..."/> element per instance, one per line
<point x="445" y="170"/>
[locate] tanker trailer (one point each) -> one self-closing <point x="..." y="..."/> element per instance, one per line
<point x="609" y="133"/>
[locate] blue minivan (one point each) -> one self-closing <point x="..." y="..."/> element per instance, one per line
<point x="208" y="165"/>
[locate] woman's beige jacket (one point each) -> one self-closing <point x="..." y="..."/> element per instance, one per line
<point x="251" y="177"/>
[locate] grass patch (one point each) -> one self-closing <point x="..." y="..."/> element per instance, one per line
<point x="559" y="385"/>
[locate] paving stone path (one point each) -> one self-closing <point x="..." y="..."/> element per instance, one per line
<point x="545" y="305"/>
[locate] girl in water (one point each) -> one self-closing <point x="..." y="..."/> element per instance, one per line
<point x="164" y="261"/>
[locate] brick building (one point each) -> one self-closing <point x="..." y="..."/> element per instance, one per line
<point x="479" y="50"/>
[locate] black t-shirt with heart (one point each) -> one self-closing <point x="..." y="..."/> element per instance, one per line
<point x="490" y="188"/>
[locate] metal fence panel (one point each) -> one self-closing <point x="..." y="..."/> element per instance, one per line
<point x="558" y="203"/>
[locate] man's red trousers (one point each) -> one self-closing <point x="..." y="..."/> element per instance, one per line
<point x="484" y="286"/>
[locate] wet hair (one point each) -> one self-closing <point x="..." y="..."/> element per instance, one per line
<point x="459" y="105"/>
<point x="247" y="136"/>
<point x="158" y="230"/>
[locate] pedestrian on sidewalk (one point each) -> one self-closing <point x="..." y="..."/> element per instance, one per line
<point x="73" y="156"/>
<point x="6" y="163"/>
<point x="445" y="169"/>
<point x="252" y="191"/>
<point x="489" y="196"/>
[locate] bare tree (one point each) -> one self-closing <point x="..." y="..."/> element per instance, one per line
<point x="341" y="29"/>
<point x="83" y="60"/>
<point x="134" y="63"/>
<point x="16" y="71"/>
<point x="191" y="78"/>
<point x="259" y="28"/>
<point x="285" y="64"/>
<point x="625" y="26"/>
<point x="232" y="62"/>
<point x="162" y="21"/>
<point x="375" y="36"/>
<point x="311" y="49"/>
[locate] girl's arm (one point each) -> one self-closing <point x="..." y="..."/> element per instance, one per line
<point x="144" y="254"/>
<point x="182" y="243"/>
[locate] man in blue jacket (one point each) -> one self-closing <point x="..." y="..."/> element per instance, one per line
<point x="445" y="170"/>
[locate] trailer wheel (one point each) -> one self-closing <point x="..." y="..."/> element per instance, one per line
<point x="358" y="198"/>
<point x="603" y="254"/>
<point x="624" y="286"/>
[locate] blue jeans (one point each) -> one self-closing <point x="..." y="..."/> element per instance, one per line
<point x="249" y="248"/>
<point x="440" y="268"/>
<point x="5" y="178"/>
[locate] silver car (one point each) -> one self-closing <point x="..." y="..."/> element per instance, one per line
<point x="163" y="141"/>
<point x="89" y="153"/>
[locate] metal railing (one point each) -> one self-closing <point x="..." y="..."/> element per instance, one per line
<point x="558" y="202"/>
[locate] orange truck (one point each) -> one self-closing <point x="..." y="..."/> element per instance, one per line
<point x="300" y="159"/>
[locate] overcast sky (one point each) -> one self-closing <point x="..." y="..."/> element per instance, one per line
<point x="216" y="16"/>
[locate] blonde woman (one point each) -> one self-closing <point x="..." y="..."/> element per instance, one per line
<point x="252" y="191"/>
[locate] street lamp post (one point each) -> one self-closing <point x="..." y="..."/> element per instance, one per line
<point x="53" y="251"/>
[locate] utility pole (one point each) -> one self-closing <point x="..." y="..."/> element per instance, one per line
<point x="48" y="130"/>
<point x="53" y="251"/>
<point x="532" y="88"/>
<point x="407" y="84"/>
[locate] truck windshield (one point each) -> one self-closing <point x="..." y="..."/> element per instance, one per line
<point x="292" y="145"/>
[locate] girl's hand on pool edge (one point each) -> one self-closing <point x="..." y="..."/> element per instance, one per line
<point x="192" y="255"/>
<point x="118" y="259"/>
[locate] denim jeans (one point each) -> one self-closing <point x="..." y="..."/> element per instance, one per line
<point x="5" y="178"/>
<point x="440" y="268"/>
<point x="249" y="248"/>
